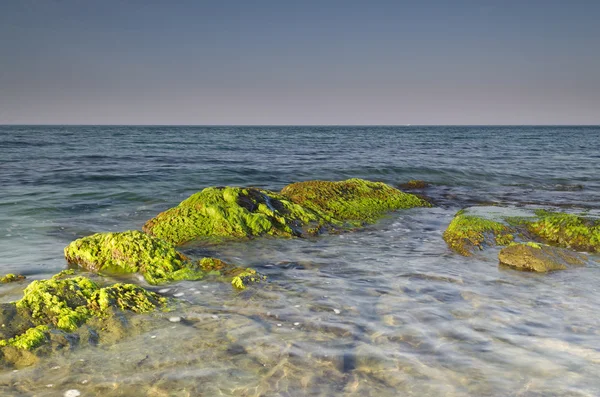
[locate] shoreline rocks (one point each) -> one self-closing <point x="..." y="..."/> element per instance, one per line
<point x="66" y="309"/>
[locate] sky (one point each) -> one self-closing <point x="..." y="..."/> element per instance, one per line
<point x="295" y="62"/>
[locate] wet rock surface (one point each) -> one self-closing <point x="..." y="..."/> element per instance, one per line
<point x="539" y="257"/>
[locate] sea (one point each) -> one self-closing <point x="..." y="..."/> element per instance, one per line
<point x="387" y="310"/>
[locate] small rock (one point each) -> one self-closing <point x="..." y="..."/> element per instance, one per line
<point x="177" y="295"/>
<point x="175" y="319"/>
<point x="337" y="311"/>
<point x="296" y="324"/>
<point x="72" y="393"/>
<point x="164" y="290"/>
<point x="539" y="257"/>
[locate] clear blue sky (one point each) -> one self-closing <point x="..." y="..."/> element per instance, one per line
<point x="300" y="62"/>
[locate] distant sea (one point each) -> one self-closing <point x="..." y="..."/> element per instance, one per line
<point x="388" y="310"/>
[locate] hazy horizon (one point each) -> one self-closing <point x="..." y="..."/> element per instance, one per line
<point x="333" y="63"/>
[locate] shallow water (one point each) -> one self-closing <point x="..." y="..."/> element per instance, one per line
<point x="387" y="310"/>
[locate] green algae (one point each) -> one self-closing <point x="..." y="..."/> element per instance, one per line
<point x="468" y="232"/>
<point x="60" y="302"/>
<point x="30" y="339"/>
<point x="60" y="306"/>
<point x="567" y="230"/>
<point x="355" y="201"/>
<point x="230" y="212"/>
<point x="132" y="252"/>
<point x="137" y="252"/>
<point x="245" y="277"/>
<point x="11" y="278"/>
<point x="126" y="297"/>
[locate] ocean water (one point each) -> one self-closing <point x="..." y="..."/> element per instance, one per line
<point x="384" y="311"/>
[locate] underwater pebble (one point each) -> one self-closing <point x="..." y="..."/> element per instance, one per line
<point x="15" y="370"/>
<point x="57" y="367"/>
<point x="50" y="385"/>
<point x="72" y="393"/>
<point x="279" y="325"/>
<point x="296" y="324"/>
<point x="337" y="311"/>
<point x="175" y="319"/>
<point x="153" y="337"/>
<point x="215" y="316"/>
<point x="164" y="290"/>
<point x="177" y="295"/>
<point x="83" y="382"/>
<point x="196" y="292"/>
<point x="296" y="305"/>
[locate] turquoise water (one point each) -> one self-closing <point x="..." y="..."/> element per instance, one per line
<point x="387" y="310"/>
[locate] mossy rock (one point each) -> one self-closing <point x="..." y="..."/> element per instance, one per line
<point x="567" y="230"/>
<point x="354" y="201"/>
<point x="61" y="306"/>
<point x="539" y="257"/>
<point x="230" y="212"/>
<point x="467" y="233"/>
<point x="132" y="252"/>
<point x="11" y="278"/>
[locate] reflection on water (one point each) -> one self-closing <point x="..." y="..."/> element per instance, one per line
<point x="386" y="311"/>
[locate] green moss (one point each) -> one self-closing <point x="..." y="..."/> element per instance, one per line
<point x="11" y="278"/>
<point x="68" y="303"/>
<point x="567" y="230"/>
<point x="125" y="297"/>
<point x="467" y="232"/>
<point x="246" y="276"/>
<point x="62" y="303"/>
<point x="229" y="212"/>
<point x="132" y="252"/>
<point x="30" y="339"/>
<point x="353" y="200"/>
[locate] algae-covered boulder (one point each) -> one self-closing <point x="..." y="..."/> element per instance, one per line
<point x="539" y="257"/>
<point x="132" y="252"/>
<point x="354" y="200"/>
<point x="230" y="212"/>
<point x="567" y="230"/>
<point x="62" y="305"/>
<point x="136" y="252"/>
<point x="467" y="233"/>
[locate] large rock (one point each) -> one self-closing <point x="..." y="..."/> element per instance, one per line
<point x="353" y="200"/>
<point x="539" y="257"/>
<point x="230" y="212"/>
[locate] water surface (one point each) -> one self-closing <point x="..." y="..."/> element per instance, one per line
<point x="387" y="310"/>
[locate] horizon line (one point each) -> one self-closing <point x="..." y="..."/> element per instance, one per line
<point x="291" y="125"/>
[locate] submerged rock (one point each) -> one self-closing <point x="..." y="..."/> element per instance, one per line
<point x="466" y="233"/>
<point x="11" y="278"/>
<point x="539" y="257"/>
<point x="230" y="212"/>
<point x="354" y="200"/>
<point x="54" y="311"/>
<point x="567" y="230"/>
<point x="414" y="184"/>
